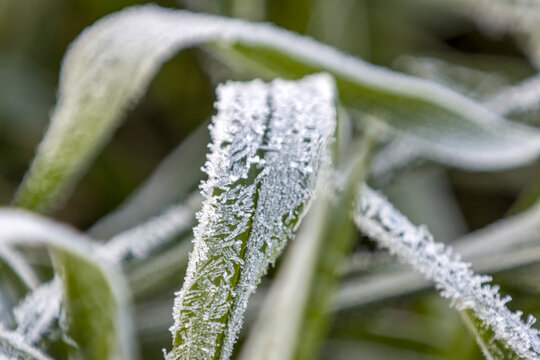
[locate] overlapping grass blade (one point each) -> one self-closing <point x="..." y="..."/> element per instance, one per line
<point x="94" y="294"/>
<point x="111" y="64"/>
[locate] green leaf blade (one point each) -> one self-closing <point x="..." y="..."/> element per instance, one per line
<point x="111" y="64"/>
<point x="95" y="295"/>
<point x="270" y="144"/>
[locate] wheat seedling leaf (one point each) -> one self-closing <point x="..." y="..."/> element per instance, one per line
<point x="377" y="218"/>
<point x="269" y="145"/>
<point x="110" y="65"/>
<point x="95" y="295"/>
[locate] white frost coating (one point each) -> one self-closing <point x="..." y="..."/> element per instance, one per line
<point x="14" y="346"/>
<point x="141" y="240"/>
<point x="18" y="264"/>
<point x="377" y="218"/>
<point x="269" y="142"/>
<point x="19" y="227"/>
<point x="275" y="333"/>
<point x="36" y="313"/>
<point x="110" y="65"/>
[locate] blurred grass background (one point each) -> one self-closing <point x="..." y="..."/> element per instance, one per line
<point x="35" y="34"/>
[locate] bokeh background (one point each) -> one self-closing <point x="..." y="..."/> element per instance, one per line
<point x="426" y="38"/>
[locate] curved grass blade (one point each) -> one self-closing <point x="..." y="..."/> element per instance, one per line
<point x="36" y="313"/>
<point x="377" y="218"/>
<point x="95" y="295"/>
<point x="269" y="145"/>
<point x="110" y="65"/>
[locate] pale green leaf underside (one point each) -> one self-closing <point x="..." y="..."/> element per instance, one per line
<point x="94" y="295"/>
<point x="269" y="148"/>
<point x="111" y="64"/>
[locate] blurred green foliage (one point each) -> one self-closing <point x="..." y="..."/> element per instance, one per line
<point x="34" y="36"/>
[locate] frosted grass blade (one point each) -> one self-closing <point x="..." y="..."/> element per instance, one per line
<point x="14" y="346"/>
<point x="493" y="349"/>
<point x="276" y="333"/>
<point x="503" y="245"/>
<point x="111" y="64"/>
<point x="269" y="145"/>
<point x="102" y="313"/>
<point x="377" y="218"/>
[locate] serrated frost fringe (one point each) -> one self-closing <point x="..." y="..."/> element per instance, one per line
<point x="377" y="218"/>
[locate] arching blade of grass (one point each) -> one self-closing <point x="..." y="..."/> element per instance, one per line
<point x="95" y="299"/>
<point x="377" y="218"/>
<point x="269" y="148"/>
<point x="110" y="65"/>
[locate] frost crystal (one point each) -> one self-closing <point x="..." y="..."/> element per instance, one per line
<point x="376" y="217"/>
<point x="269" y="143"/>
